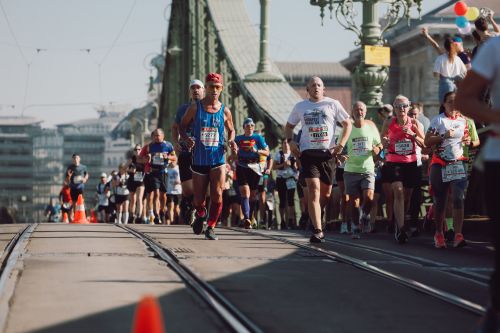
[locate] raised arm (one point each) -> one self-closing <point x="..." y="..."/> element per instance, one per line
<point x="434" y="44"/>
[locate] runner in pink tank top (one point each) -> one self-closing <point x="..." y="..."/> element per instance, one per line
<point x="400" y="136"/>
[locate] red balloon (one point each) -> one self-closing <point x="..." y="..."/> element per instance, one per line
<point x="460" y="8"/>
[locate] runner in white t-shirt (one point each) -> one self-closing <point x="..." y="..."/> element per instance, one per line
<point x="486" y="73"/>
<point x="318" y="116"/>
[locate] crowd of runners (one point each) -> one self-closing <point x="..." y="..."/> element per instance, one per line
<point x="210" y="175"/>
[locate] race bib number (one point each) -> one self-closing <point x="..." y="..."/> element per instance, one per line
<point x="158" y="159"/>
<point x="209" y="136"/>
<point x="403" y="147"/>
<point x="453" y="171"/>
<point x="138" y="176"/>
<point x="360" y="146"/>
<point x="318" y="137"/>
<point x="77" y="179"/>
<point x="122" y="191"/>
<point x="291" y="183"/>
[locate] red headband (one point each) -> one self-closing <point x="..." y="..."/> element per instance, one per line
<point x="214" y="77"/>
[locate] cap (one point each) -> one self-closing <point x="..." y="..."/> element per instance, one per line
<point x="197" y="83"/>
<point x="248" y="121"/>
<point x="387" y="107"/>
<point x="214" y="77"/>
<point x="457" y="39"/>
<point x="103" y="175"/>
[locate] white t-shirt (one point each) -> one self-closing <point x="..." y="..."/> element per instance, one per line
<point x="318" y="122"/>
<point x="444" y="67"/>
<point x="486" y="63"/>
<point x="286" y="172"/>
<point x="173" y="181"/>
<point x="450" y="149"/>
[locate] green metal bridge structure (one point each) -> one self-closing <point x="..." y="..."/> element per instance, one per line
<point x="217" y="36"/>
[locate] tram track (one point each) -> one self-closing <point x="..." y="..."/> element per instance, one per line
<point x="375" y="269"/>
<point x="234" y="319"/>
<point x="8" y="262"/>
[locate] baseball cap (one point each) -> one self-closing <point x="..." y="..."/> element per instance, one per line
<point x="103" y="175"/>
<point x="457" y="39"/>
<point x="197" y="83"/>
<point x="248" y="121"/>
<point x="214" y="77"/>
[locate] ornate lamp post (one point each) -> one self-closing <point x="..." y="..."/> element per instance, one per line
<point x="369" y="79"/>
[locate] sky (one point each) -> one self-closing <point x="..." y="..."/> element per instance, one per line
<point x="62" y="59"/>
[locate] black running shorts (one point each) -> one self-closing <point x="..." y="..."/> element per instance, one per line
<point x="317" y="164"/>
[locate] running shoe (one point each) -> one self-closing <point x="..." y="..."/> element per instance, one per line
<point x="247" y="224"/>
<point x="401" y="236"/>
<point x="317" y="238"/>
<point x="364" y="221"/>
<point x="343" y="228"/>
<point x="210" y="234"/>
<point x="439" y="241"/>
<point x="459" y="240"/>
<point x="198" y="222"/>
<point x="356" y="233"/>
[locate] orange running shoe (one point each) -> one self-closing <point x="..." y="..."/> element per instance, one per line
<point x="439" y="241"/>
<point x="459" y="240"/>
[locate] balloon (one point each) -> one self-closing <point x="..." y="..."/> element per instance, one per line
<point x="460" y="8"/>
<point x="461" y="21"/>
<point x="472" y="13"/>
<point x="465" y="31"/>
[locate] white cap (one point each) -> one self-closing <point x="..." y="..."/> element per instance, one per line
<point x="103" y="175"/>
<point x="196" y="82"/>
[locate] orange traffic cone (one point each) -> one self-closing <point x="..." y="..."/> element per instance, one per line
<point x="65" y="218"/>
<point x="80" y="216"/>
<point x="93" y="218"/>
<point x="148" y="318"/>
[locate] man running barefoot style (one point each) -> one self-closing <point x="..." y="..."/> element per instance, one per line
<point x="208" y="118"/>
<point x="318" y="116"/>
<point x="185" y="157"/>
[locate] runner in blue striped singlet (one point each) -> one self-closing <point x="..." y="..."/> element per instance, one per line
<point x="208" y="118"/>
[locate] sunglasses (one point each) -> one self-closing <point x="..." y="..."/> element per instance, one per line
<point x="401" y="106"/>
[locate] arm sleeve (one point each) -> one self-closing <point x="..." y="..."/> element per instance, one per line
<point x="294" y="116"/>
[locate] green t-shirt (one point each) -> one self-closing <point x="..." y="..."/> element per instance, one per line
<point x="473" y="136"/>
<point x="360" y="147"/>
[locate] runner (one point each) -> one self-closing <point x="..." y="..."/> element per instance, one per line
<point x="250" y="146"/>
<point x="102" y="200"/>
<point x="319" y="116"/>
<point x="196" y="92"/>
<point x="135" y="186"/>
<point x="486" y="73"/>
<point x="286" y="168"/>
<point x="400" y="135"/>
<point x="447" y="132"/>
<point x="66" y="203"/>
<point x="76" y="177"/>
<point x="266" y="163"/>
<point x="174" y="191"/>
<point x="157" y="155"/>
<point x="359" y="172"/>
<point x="122" y="194"/>
<point x="208" y="118"/>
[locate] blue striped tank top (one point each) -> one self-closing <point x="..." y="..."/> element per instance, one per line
<point x="208" y="129"/>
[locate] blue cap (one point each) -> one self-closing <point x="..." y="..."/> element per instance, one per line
<point x="457" y="39"/>
<point x="248" y="121"/>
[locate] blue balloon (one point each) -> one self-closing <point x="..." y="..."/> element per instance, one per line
<point x="461" y="21"/>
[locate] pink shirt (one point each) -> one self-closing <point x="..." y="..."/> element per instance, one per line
<point x="401" y="145"/>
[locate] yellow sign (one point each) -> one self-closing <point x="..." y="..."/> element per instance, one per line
<point x="377" y="55"/>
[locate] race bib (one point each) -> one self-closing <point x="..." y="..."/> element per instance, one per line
<point x="158" y="159"/>
<point x="138" y="176"/>
<point x="291" y="183"/>
<point x="403" y="147"/>
<point x="209" y="136"/>
<point x="360" y="146"/>
<point x="255" y="167"/>
<point x="77" y="179"/>
<point x="318" y="137"/>
<point x="453" y="171"/>
<point x="122" y="191"/>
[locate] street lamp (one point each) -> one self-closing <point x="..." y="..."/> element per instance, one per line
<point x="369" y="78"/>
